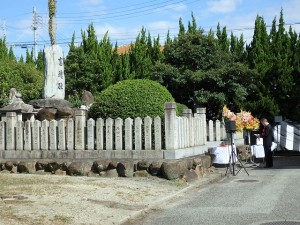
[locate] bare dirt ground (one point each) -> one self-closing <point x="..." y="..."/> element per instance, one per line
<point x="51" y="199"/>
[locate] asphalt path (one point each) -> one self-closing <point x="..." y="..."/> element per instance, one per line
<point x="264" y="197"/>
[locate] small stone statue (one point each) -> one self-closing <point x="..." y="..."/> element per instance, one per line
<point x="14" y="96"/>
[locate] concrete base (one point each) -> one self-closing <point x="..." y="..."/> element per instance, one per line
<point x="188" y="152"/>
<point x="198" y="150"/>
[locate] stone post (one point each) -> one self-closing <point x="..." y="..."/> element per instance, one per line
<point x="170" y="125"/>
<point x="11" y="119"/>
<point x="19" y="135"/>
<point x="109" y="133"/>
<point x="148" y="133"/>
<point x="128" y="133"/>
<point x="80" y="121"/>
<point x="157" y="133"/>
<point x="45" y="135"/>
<point x="138" y="133"/>
<point x="99" y="134"/>
<point x="91" y="134"/>
<point x="2" y="135"/>
<point x="70" y="134"/>
<point x="218" y="130"/>
<point x="119" y="134"/>
<point x="189" y="115"/>
<point x="36" y="137"/>
<point x="53" y="135"/>
<point x="210" y="130"/>
<point x="61" y="135"/>
<point x="202" y="114"/>
<point x="27" y="135"/>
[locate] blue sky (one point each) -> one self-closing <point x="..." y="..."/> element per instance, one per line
<point x="123" y="19"/>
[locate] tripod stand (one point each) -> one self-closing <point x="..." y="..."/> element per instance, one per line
<point x="232" y="160"/>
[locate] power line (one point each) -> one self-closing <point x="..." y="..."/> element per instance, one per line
<point x="126" y="14"/>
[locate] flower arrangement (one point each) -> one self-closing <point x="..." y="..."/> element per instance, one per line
<point x="243" y="120"/>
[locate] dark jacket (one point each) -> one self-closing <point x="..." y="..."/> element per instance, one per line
<point x="267" y="135"/>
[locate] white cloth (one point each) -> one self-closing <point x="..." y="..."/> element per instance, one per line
<point x="258" y="151"/>
<point x="222" y="154"/>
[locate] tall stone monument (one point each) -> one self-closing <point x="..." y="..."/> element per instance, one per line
<point x="53" y="105"/>
<point x="54" y="86"/>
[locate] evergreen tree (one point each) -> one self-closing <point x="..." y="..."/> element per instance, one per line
<point x="29" y="57"/>
<point x="40" y="61"/>
<point x="181" y="28"/>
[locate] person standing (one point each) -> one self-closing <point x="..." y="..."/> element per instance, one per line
<point x="267" y="135"/>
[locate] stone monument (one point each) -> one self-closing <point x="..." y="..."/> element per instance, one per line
<point x="54" y="86"/>
<point x="54" y="72"/>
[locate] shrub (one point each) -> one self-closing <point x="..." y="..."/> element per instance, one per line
<point x="131" y="98"/>
<point x="179" y="108"/>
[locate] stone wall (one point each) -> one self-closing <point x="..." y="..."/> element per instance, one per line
<point x="188" y="169"/>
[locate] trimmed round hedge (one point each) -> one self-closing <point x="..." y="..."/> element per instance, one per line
<point x="131" y="98"/>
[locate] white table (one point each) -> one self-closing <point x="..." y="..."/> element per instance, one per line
<point x="222" y="154"/>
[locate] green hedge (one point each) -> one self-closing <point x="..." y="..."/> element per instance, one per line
<point x="131" y="98"/>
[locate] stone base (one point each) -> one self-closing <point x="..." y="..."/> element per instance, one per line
<point x="80" y="154"/>
<point x="50" y="103"/>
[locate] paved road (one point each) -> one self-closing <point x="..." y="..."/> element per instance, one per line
<point x="265" y="197"/>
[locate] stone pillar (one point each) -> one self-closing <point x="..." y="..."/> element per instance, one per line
<point x="99" y="134"/>
<point x="109" y="133"/>
<point x="189" y="115"/>
<point x="20" y="135"/>
<point x="61" y="135"/>
<point x="202" y="114"/>
<point x="36" y="143"/>
<point x="54" y="72"/>
<point x="148" y="133"/>
<point x="210" y="130"/>
<point x="157" y="133"/>
<point x="218" y="130"/>
<point x="70" y="134"/>
<point x="27" y="135"/>
<point x="80" y="121"/>
<point x="53" y="135"/>
<point x="11" y="119"/>
<point x="170" y="125"/>
<point x="128" y="133"/>
<point x="45" y="135"/>
<point x="119" y="134"/>
<point x="2" y="135"/>
<point x="91" y="134"/>
<point x="186" y="132"/>
<point x="179" y="132"/>
<point x="138" y="133"/>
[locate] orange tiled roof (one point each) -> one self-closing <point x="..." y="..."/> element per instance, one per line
<point x="125" y="48"/>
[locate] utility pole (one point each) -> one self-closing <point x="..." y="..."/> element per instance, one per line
<point x="34" y="28"/>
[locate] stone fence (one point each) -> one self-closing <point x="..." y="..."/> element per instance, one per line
<point x="136" y="138"/>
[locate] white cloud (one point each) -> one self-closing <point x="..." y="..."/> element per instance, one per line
<point x="223" y="6"/>
<point x="162" y="25"/>
<point x="120" y="34"/>
<point x="91" y="2"/>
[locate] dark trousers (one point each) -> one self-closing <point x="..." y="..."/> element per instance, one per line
<point x="268" y="156"/>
